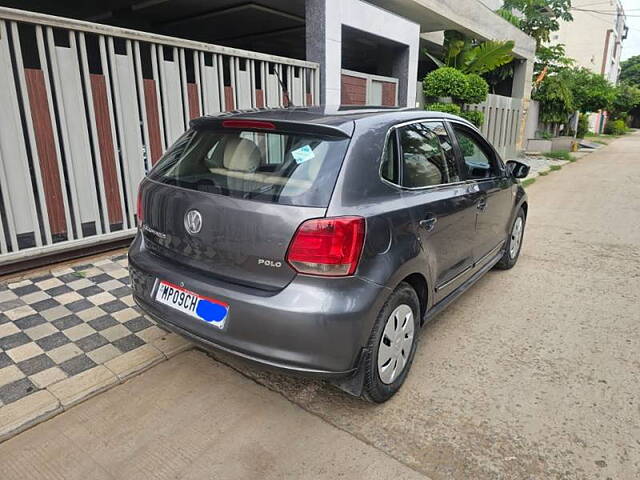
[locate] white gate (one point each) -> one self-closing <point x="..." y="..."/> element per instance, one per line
<point x="88" y="109"/>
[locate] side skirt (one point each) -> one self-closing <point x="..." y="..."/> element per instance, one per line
<point x="445" y="302"/>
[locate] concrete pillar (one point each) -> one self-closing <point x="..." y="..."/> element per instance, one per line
<point x="324" y="45"/>
<point x="522" y="79"/>
<point x="522" y="85"/>
<point x="324" y="22"/>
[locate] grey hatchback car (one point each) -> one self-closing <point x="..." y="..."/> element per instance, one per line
<point x="319" y="240"/>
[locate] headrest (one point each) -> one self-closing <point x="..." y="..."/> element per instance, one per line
<point x="241" y="155"/>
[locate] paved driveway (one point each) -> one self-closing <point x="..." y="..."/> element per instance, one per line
<point x="534" y="373"/>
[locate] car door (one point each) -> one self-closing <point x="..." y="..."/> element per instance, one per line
<point x="493" y="192"/>
<point x="440" y="206"/>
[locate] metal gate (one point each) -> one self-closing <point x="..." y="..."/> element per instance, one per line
<point x="87" y="109"/>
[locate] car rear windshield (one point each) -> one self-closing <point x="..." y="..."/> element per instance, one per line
<point x="290" y="169"/>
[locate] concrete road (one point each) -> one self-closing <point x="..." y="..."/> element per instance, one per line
<point x="535" y="372"/>
<point x="532" y="374"/>
<point x="191" y="418"/>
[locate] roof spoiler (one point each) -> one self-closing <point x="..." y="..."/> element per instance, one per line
<point x="262" y="124"/>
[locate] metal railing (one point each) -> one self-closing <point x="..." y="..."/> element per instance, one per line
<point x="89" y="108"/>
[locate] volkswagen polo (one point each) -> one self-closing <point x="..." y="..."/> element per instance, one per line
<point x="320" y="240"/>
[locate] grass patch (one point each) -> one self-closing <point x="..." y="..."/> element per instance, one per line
<point x="559" y="155"/>
<point x="527" y="182"/>
<point x="543" y="174"/>
<point x="601" y="142"/>
<point x="555" y="168"/>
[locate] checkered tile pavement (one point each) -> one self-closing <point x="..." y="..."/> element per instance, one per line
<point x="60" y="324"/>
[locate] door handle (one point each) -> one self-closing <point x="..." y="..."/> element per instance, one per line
<point x="482" y="204"/>
<point x="428" y="223"/>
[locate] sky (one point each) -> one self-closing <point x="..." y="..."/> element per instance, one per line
<point x="631" y="45"/>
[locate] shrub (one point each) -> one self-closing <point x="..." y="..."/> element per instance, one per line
<point x="558" y="155"/>
<point x="616" y="127"/>
<point x="546" y="135"/>
<point x="445" y="82"/>
<point x="451" y="108"/>
<point x="583" y="126"/>
<point x="477" y="89"/>
<point x="556" y="100"/>
<point x="474" y="116"/>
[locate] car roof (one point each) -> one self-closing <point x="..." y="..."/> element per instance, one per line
<point x="340" y="117"/>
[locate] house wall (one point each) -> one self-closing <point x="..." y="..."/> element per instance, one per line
<point x="594" y="41"/>
<point x="325" y="19"/>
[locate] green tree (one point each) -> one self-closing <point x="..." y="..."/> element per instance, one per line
<point x="630" y="72"/>
<point x="591" y="91"/>
<point x="627" y="98"/>
<point x="556" y="100"/>
<point x="551" y="57"/>
<point x="539" y="17"/>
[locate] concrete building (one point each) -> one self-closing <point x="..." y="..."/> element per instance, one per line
<point x="94" y="92"/>
<point x="594" y="38"/>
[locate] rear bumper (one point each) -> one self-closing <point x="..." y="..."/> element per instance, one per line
<point x="314" y="326"/>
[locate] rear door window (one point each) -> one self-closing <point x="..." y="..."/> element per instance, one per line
<point x="427" y="155"/>
<point x="283" y="168"/>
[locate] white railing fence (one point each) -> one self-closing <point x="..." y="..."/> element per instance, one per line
<point x="88" y="109"/>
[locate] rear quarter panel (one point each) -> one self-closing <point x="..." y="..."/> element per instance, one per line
<point x="392" y="250"/>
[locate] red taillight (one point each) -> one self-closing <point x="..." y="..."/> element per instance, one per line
<point x="252" y="124"/>
<point x="327" y="246"/>
<point x="140" y="209"/>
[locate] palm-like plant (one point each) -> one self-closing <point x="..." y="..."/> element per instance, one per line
<point x="463" y="54"/>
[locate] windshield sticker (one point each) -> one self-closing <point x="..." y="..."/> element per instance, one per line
<point x="303" y="154"/>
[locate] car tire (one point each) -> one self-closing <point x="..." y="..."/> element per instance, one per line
<point x="514" y="242"/>
<point x="389" y="340"/>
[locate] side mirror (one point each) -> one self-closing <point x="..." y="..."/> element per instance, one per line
<point x="518" y="169"/>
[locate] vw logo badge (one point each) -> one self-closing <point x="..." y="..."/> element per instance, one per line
<point x="193" y="221"/>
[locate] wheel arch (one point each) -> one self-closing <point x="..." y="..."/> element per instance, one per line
<point x="419" y="283"/>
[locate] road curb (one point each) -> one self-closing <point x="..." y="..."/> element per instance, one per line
<point x="26" y="412"/>
<point x="65" y="394"/>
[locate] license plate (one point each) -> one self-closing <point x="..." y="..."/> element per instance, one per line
<point x="213" y="312"/>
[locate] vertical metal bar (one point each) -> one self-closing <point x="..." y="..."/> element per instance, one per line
<point x="162" y="78"/>
<point x="197" y="58"/>
<point x="94" y="131"/>
<point x="278" y="68"/>
<point x="142" y="106"/>
<point x="54" y="124"/>
<point x="114" y="134"/>
<point x="156" y="78"/>
<point x="3" y="243"/>
<point x="185" y="90"/>
<point x="223" y="100"/>
<point x="234" y="87"/>
<point x="263" y="82"/>
<point x="252" y="81"/>
<point x="64" y="131"/>
<point x="36" y="164"/>
<point x="121" y="134"/>
<point x="316" y="87"/>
